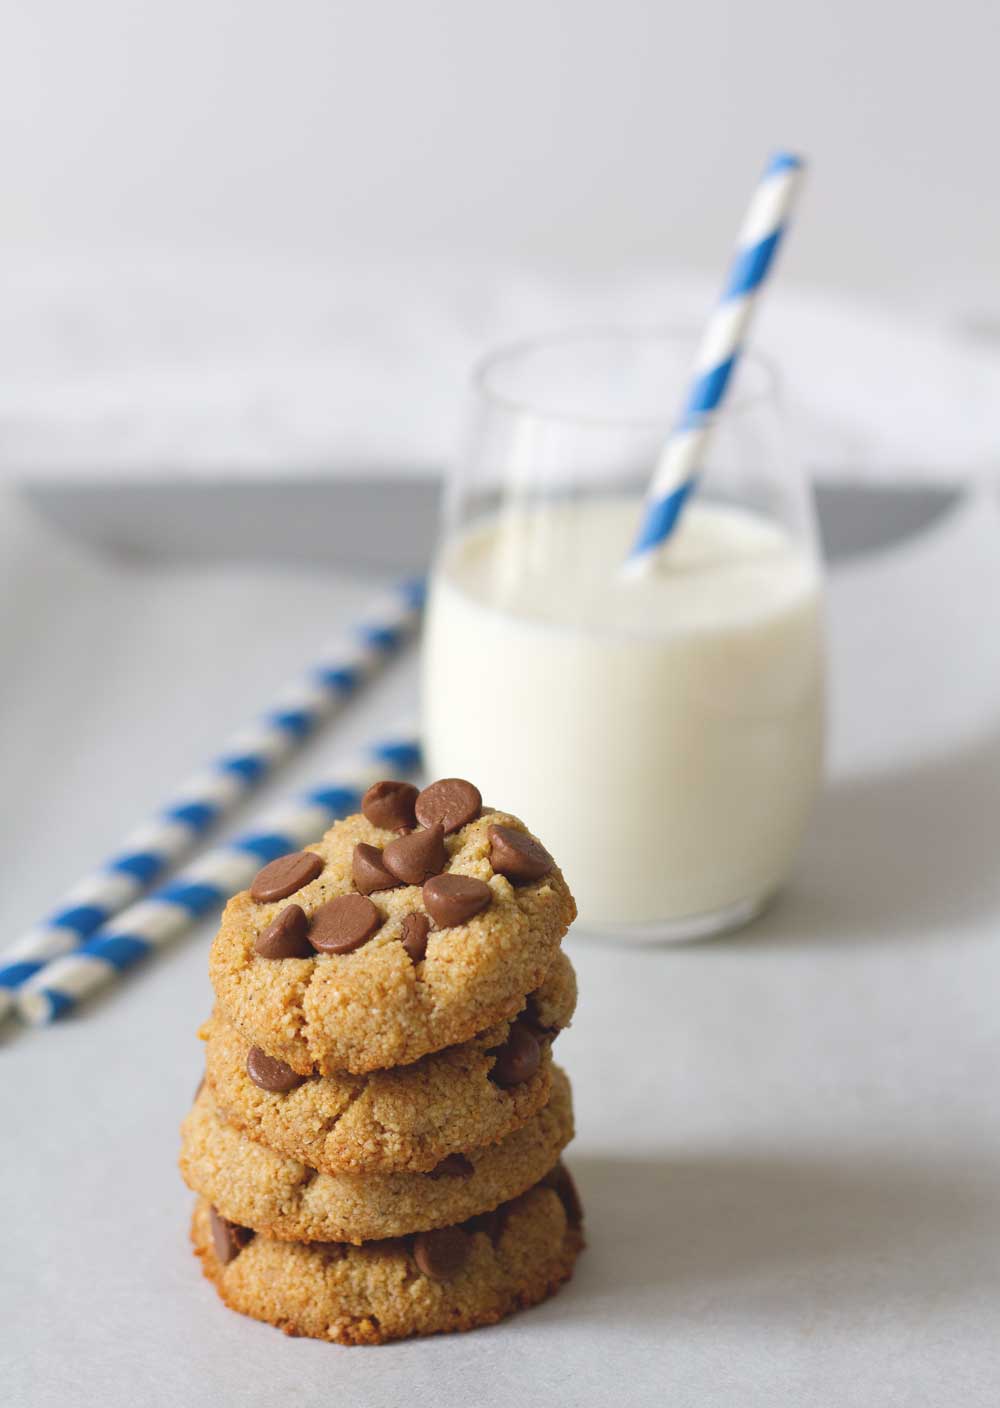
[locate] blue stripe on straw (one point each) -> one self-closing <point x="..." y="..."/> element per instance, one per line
<point x="405" y="756"/>
<point x="297" y="722"/>
<point x="12" y="975"/>
<point x="192" y="895"/>
<point x="143" y="866"/>
<point x="380" y="637"/>
<point x="82" y="918"/>
<point x="245" y="765"/>
<point x="415" y="592"/>
<point x="59" y="1002"/>
<point x="662" y="517"/>
<point x="335" y="799"/>
<point x="198" y="815"/>
<point x="120" y="950"/>
<point x="341" y="677"/>
<point x="706" y="393"/>
<point x="782" y="161"/>
<point x="267" y="846"/>
<point x="749" y="268"/>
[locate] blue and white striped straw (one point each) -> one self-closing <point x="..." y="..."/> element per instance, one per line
<point x="149" y="852"/>
<point x="718" y="354"/>
<point x="207" y="883"/>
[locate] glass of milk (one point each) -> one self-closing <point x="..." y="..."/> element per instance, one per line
<point x="663" y="736"/>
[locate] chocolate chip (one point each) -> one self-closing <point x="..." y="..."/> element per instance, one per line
<point x="517" y="855"/>
<point x="416" y="927"/>
<point x="390" y="805"/>
<point x="228" y="1238"/>
<point x="453" y="899"/>
<point x="454" y="1166"/>
<point x="287" y="935"/>
<point x="369" y="871"/>
<point x="560" y="1180"/>
<point x="413" y="858"/>
<point x="282" y="877"/>
<point x="518" y="1058"/>
<point x="344" y="924"/>
<point x="439" y="1254"/>
<point x="270" y="1073"/>
<point x="452" y="802"/>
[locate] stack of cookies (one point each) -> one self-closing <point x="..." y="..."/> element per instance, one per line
<point x="376" y="1144"/>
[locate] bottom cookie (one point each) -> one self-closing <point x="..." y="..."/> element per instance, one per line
<point x="457" y="1278"/>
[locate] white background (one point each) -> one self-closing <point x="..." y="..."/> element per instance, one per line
<point x="573" y="130"/>
<point x="233" y="231"/>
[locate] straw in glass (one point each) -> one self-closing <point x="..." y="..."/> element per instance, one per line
<point x="677" y="468"/>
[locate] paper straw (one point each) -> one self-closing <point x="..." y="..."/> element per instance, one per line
<point x="718" y="353"/>
<point x="149" y="852"/>
<point x="206" y="884"/>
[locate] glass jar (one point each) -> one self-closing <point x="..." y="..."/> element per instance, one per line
<point x="662" y="736"/>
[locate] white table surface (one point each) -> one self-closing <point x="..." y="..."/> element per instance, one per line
<point x="788" y="1139"/>
<point x="215" y="367"/>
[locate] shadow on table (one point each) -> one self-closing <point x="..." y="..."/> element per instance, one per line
<point x="897" y="853"/>
<point x="779" y="1234"/>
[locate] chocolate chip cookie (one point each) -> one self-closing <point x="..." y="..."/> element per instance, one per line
<point x="456" y="1278"/>
<point x="257" y="1187"/>
<point x="406" y="1119"/>
<point x="325" y="971"/>
<point x="376" y="1143"/>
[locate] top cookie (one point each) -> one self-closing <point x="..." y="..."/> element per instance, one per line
<point x="408" y="928"/>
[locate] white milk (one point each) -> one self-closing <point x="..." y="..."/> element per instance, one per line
<point x="664" y="736"/>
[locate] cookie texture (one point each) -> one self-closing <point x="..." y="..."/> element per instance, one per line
<point x="406" y="1119"/>
<point x="378" y="1292"/>
<point x="374" y="1006"/>
<point x="256" y="1187"/>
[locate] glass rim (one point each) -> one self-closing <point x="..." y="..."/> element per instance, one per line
<point x="737" y="402"/>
